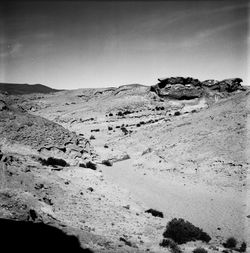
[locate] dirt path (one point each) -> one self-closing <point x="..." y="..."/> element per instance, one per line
<point x="217" y="211"/>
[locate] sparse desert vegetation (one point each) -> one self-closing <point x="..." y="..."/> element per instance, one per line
<point x="182" y="231"/>
<point x="141" y="157"/>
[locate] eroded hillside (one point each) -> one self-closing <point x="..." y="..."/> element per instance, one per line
<point x="185" y="156"/>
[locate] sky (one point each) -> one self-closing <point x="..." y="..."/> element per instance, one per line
<point x="89" y="44"/>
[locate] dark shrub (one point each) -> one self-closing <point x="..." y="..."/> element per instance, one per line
<point x="231" y="242"/>
<point x="124" y="130"/>
<point x="117" y="126"/>
<point x="154" y="212"/>
<point x="199" y="250"/>
<point x="92" y="137"/>
<point x="142" y="122"/>
<point x="193" y="111"/>
<point x="107" y="162"/>
<point x="110" y="128"/>
<point x="53" y="162"/>
<point x="126" y="112"/>
<point x="111" y="114"/>
<point x="172" y="245"/>
<point x="138" y="124"/>
<point x="95" y="130"/>
<point x="243" y="247"/>
<point x="177" y="113"/>
<point x="119" y="114"/>
<point x="182" y="231"/>
<point x="82" y="165"/>
<point x="91" y="165"/>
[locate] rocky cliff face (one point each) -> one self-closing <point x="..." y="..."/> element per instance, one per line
<point x="190" y="88"/>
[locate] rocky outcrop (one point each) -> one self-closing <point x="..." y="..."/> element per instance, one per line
<point x="189" y="88"/>
<point x="226" y="85"/>
<point x="20" y="131"/>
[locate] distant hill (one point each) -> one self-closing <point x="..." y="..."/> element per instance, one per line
<point x="20" y="89"/>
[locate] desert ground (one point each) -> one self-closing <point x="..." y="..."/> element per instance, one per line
<point x="179" y="150"/>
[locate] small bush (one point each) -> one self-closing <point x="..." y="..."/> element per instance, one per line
<point x="138" y="124"/>
<point x="177" y="113"/>
<point x="119" y="114"/>
<point x="124" y="130"/>
<point x="91" y="165"/>
<point x="92" y="137"/>
<point x="95" y="130"/>
<point x="172" y="245"/>
<point x="154" y="212"/>
<point x="230" y="243"/>
<point x="182" y="231"/>
<point x="110" y="128"/>
<point x="199" y="250"/>
<point x="82" y="165"/>
<point x="111" y="114"/>
<point x="243" y="247"/>
<point x="107" y="162"/>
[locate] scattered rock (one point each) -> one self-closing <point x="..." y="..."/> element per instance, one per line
<point x="91" y="189"/>
<point x="155" y="213"/>
<point x="107" y="162"/>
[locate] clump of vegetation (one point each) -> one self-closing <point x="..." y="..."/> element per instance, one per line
<point x="107" y="162"/>
<point x="127" y="112"/>
<point x="53" y="162"/>
<point x="243" y="247"/>
<point x="111" y="114"/>
<point x="90" y="165"/>
<point x="172" y="245"/>
<point x="95" y="130"/>
<point x="230" y="243"/>
<point x="119" y="114"/>
<point x="154" y="212"/>
<point x="138" y="124"/>
<point x="117" y="126"/>
<point x="110" y="128"/>
<point x="199" y="250"/>
<point x="182" y="231"/>
<point x="124" y="130"/>
<point x="177" y="113"/>
<point x="92" y="137"/>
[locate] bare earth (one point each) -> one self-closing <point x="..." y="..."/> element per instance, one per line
<point x="192" y="166"/>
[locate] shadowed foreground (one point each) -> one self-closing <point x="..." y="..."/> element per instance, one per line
<point x="22" y="236"/>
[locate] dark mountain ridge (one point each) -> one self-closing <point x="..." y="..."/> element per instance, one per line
<point x="21" y="89"/>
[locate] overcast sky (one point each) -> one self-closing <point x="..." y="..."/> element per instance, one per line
<point x="111" y="43"/>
